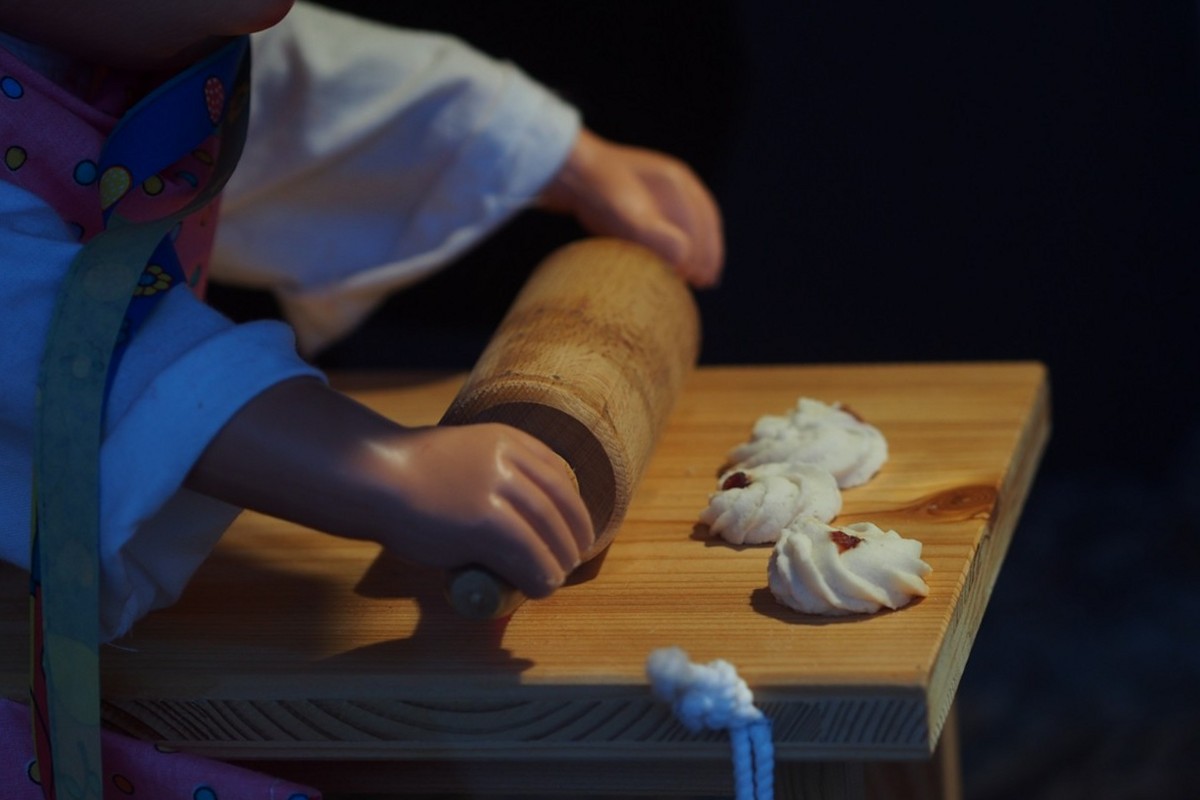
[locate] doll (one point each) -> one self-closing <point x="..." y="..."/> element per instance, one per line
<point x="372" y="156"/>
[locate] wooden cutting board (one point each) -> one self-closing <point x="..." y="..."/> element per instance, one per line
<point x="290" y="644"/>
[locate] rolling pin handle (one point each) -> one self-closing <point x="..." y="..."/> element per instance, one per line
<point x="477" y="593"/>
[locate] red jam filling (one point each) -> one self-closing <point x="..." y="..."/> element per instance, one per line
<point x="738" y="480"/>
<point x="844" y="541"/>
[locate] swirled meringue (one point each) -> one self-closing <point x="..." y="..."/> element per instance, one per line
<point x="816" y="433"/>
<point x="855" y="569"/>
<point x="754" y="505"/>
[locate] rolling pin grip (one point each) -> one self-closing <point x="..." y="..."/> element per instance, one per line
<point x="478" y="593"/>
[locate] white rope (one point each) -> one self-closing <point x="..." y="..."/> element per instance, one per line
<point x="712" y="696"/>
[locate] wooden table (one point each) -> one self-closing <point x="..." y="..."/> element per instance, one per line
<point x="329" y="662"/>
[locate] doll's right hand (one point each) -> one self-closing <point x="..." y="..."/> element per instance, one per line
<point x="485" y="494"/>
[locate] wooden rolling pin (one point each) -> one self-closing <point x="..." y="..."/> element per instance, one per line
<point x="590" y="359"/>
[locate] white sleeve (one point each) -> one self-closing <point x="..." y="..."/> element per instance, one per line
<point x="182" y="377"/>
<point x="376" y="155"/>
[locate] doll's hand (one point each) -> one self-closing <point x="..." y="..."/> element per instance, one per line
<point x="486" y="494"/>
<point x="644" y="196"/>
<point x="443" y="497"/>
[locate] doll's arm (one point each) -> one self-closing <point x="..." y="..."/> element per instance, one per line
<point x="440" y="496"/>
<point x="642" y="195"/>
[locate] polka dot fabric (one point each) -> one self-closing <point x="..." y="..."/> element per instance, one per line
<point x="51" y="136"/>
<point x="135" y="769"/>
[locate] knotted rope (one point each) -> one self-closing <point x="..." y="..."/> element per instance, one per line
<point x="712" y="696"/>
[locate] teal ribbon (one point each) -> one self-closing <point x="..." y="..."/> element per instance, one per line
<point x="91" y="323"/>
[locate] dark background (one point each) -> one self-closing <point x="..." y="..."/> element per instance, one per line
<point x="912" y="182"/>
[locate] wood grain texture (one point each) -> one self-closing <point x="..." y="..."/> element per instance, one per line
<point x="293" y="645"/>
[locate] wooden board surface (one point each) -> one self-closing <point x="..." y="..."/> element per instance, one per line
<point x="290" y="644"/>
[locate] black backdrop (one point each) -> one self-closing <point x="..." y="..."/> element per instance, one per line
<point x="914" y="182"/>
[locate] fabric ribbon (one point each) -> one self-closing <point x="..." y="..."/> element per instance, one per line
<point x="98" y="309"/>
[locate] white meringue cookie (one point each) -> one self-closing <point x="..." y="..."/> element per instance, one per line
<point x="816" y="433"/>
<point x="855" y="569"/>
<point x="761" y="501"/>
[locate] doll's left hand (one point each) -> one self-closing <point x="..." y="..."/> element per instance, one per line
<point x="644" y="196"/>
